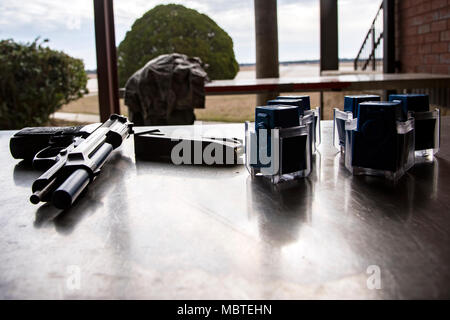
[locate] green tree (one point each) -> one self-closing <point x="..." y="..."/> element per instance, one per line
<point x="175" y="28"/>
<point x="35" y="81"/>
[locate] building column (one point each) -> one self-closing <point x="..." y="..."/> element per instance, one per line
<point x="108" y="86"/>
<point x="329" y="56"/>
<point x="266" y="36"/>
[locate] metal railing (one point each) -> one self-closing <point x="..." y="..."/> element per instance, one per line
<point x="367" y="53"/>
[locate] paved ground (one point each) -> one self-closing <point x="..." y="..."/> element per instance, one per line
<point x="83" y="118"/>
<point x="76" y="117"/>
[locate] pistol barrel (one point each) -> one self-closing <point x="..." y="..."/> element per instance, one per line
<point x="69" y="190"/>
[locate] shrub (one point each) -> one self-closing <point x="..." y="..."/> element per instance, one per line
<point x="35" y="81"/>
<point x="176" y="29"/>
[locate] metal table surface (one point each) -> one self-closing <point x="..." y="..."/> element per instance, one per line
<point x="155" y="230"/>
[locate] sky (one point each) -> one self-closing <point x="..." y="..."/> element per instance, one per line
<point x="69" y="25"/>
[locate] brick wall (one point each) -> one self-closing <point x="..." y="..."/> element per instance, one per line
<point x="423" y="35"/>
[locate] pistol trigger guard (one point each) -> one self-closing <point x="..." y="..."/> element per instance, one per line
<point x="47" y="157"/>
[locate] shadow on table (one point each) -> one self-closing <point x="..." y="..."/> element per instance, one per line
<point x="280" y="209"/>
<point x="397" y="200"/>
<point x="24" y="174"/>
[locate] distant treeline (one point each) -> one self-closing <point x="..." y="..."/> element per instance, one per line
<point x="94" y="71"/>
<point x="297" y="62"/>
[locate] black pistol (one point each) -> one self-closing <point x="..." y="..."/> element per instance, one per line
<point x="73" y="156"/>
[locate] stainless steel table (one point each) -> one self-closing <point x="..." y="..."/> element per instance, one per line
<point x="155" y="230"/>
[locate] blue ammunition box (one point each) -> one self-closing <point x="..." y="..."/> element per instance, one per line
<point x="375" y="143"/>
<point x="386" y="112"/>
<point x="277" y="116"/>
<point x="351" y="105"/>
<point x="412" y="102"/>
<point x="425" y="128"/>
<point x="293" y="156"/>
<point x="289" y="102"/>
<point x="306" y="102"/>
<point x="351" y="102"/>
